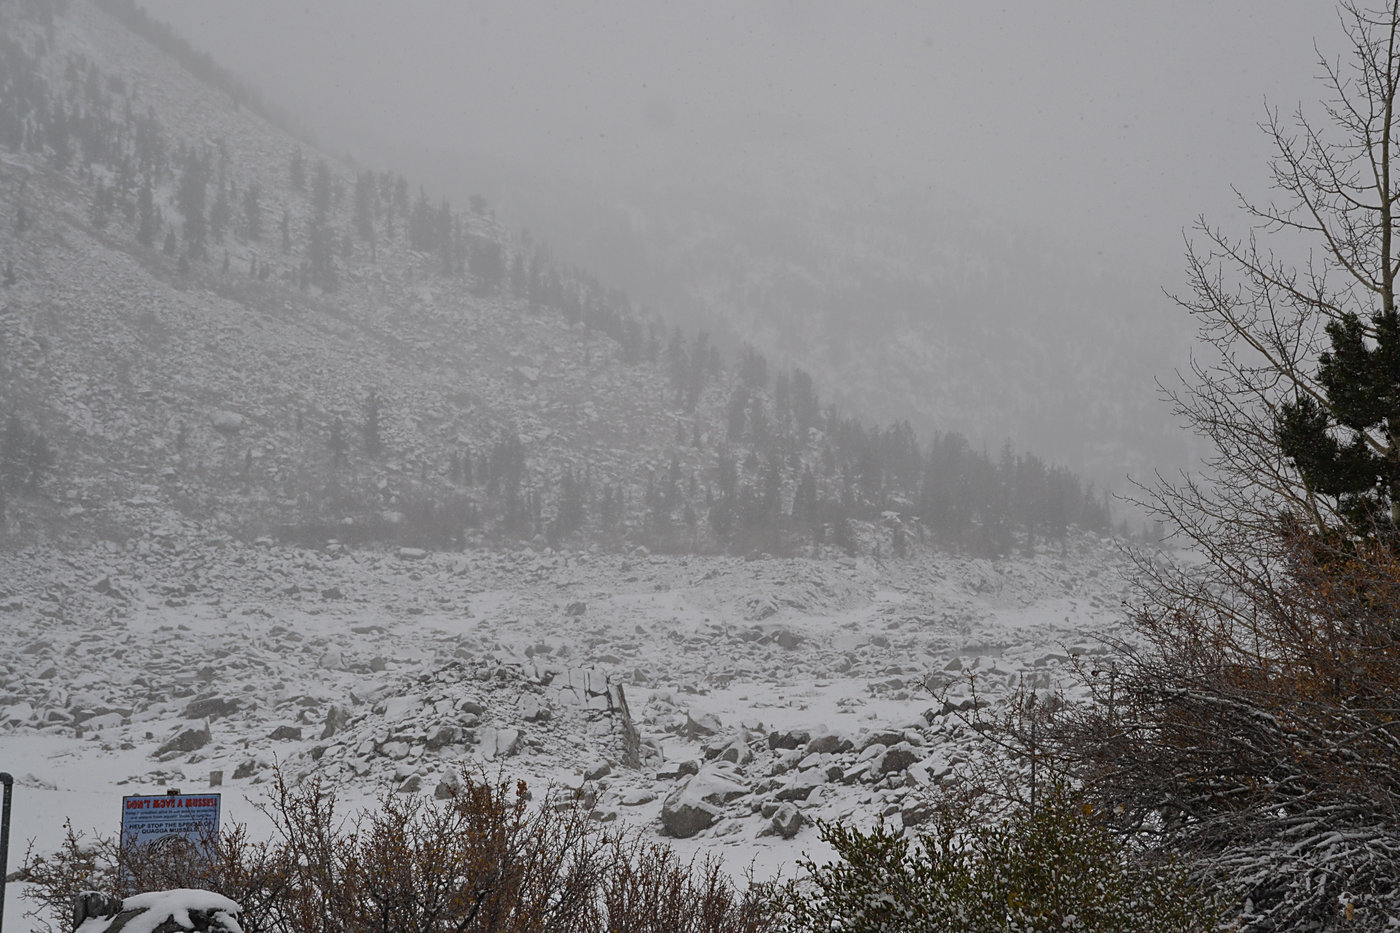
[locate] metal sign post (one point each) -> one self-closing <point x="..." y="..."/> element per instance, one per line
<point x="9" y="783"/>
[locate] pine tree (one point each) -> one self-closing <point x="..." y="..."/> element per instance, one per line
<point x="319" y="250"/>
<point x="252" y="212"/>
<point x="1250" y="718"/>
<point x="487" y="264"/>
<point x="699" y="357"/>
<point x="1344" y="444"/>
<point x="189" y="198"/>
<point x="220" y="214"/>
<point x="298" y="170"/>
<point x="337" y="444"/>
<point x="374" y="442"/>
<point x="420" y="225"/>
<point x="442" y="236"/>
<point x="678" y="362"/>
<point x="571" y="510"/>
<point x="364" y="206"/>
<point x="146" y="212"/>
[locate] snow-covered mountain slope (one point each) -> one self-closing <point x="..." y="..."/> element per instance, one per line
<point x="200" y="386"/>
<point x="203" y="317"/>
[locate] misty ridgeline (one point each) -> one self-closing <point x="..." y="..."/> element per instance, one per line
<point x="374" y="449"/>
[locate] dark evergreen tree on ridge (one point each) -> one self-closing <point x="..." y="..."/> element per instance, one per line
<point x="1346" y="444"/>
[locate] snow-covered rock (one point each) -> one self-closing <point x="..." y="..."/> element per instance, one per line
<point x="159" y="912"/>
<point x="226" y="422"/>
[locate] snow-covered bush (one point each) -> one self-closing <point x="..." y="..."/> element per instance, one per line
<point x="1259" y="741"/>
<point x="1053" y="866"/>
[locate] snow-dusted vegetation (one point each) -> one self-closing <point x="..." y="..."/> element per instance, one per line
<point x="486" y="601"/>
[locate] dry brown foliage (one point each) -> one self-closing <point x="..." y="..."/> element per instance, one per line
<point x="485" y="860"/>
<point x="1263" y="742"/>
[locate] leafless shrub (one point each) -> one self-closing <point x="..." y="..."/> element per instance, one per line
<point x="484" y="860"/>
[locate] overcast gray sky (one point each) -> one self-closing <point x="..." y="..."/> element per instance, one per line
<point x="1117" y="121"/>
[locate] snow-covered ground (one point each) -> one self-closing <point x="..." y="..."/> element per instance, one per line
<point x="816" y="688"/>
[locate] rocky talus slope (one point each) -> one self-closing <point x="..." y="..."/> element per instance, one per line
<point x="764" y="693"/>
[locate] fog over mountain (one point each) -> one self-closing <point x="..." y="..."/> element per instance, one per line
<point x="1112" y="122"/>
<point x="893" y="197"/>
<point x="708" y="416"/>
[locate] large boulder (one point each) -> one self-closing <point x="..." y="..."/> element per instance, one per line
<point x="336" y="719"/>
<point x="828" y="744"/>
<point x="94" y="904"/>
<point x="226" y="422"/>
<point x="186" y="740"/>
<point x="787" y="821"/>
<point x="683" y="813"/>
<point x="801" y="785"/>
<point x="696" y="802"/>
<point x="915" y="812"/>
<point x="442" y="737"/>
<point x="697" y="727"/>
<point x="791" y="739"/>
<point x="532" y="710"/>
<point x="788" y="640"/>
<point x="718" y="783"/>
<point x="210" y="707"/>
<point x="736" y="752"/>
<point x="897" y="758"/>
<point x="885" y="737"/>
<point x="183" y="909"/>
<point x="500" y="743"/>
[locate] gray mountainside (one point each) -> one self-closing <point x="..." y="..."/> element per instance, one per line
<point x="205" y="317"/>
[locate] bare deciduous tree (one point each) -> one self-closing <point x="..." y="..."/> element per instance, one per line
<point x="1253" y="724"/>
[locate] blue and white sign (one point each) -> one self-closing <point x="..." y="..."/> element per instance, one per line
<point x="170" y="820"/>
